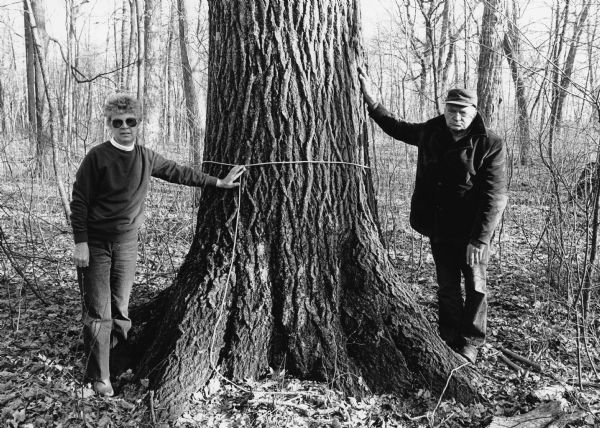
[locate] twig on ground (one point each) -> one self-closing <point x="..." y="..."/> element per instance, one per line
<point x="586" y="384"/>
<point x="510" y="364"/>
<point x="432" y="417"/>
<point x="302" y="408"/>
<point x="520" y="358"/>
<point x="537" y="367"/>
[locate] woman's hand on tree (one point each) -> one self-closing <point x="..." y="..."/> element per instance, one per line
<point x="229" y="181"/>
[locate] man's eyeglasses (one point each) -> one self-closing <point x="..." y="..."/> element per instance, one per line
<point x="130" y="121"/>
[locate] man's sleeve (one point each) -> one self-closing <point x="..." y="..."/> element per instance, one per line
<point x="493" y="197"/>
<point x="172" y="172"/>
<point x="82" y="198"/>
<point x="398" y="129"/>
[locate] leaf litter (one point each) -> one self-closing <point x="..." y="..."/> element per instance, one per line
<point x="41" y="351"/>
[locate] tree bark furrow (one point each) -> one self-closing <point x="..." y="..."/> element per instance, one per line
<point x="312" y="289"/>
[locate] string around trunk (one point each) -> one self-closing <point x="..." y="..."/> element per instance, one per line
<point x="213" y="364"/>
<point x="301" y="162"/>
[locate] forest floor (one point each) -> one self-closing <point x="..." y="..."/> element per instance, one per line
<point x="41" y="343"/>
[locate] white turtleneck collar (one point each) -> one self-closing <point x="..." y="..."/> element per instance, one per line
<point x="120" y="146"/>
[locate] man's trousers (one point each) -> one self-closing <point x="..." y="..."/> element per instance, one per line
<point x="462" y="321"/>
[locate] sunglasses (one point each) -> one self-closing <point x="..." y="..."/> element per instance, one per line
<point x="130" y="121"/>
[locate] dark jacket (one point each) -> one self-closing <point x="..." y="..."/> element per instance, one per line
<point x="460" y="186"/>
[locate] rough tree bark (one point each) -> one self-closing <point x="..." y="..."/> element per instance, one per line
<point x="490" y="59"/>
<point x="311" y="287"/>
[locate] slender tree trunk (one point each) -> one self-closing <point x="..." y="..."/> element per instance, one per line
<point x="13" y="118"/>
<point x="2" y="110"/>
<point x="167" y="81"/>
<point x="311" y="287"/>
<point x="132" y="42"/>
<point x="430" y="50"/>
<point x="563" y="77"/>
<point x="141" y="56"/>
<point x="488" y="68"/>
<point x="69" y="95"/>
<point x="445" y="47"/>
<point x="153" y="67"/>
<point x="123" y="36"/>
<point x="512" y="50"/>
<point x="35" y="89"/>
<point x="467" y="38"/>
<point x="31" y="72"/>
<point x="40" y="62"/>
<point x="561" y="22"/>
<point x="189" y="89"/>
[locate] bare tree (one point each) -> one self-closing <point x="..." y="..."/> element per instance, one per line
<point x="44" y="84"/>
<point x="512" y="50"/>
<point x="2" y="110"/>
<point x="562" y="73"/>
<point x="123" y="55"/>
<point x="138" y="19"/>
<point x="189" y="89"/>
<point x="35" y="90"/>
<point x="488" y="67"/>
<point x="153" y="76"/>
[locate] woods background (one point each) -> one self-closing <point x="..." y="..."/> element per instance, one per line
<point x="535" y="67"/>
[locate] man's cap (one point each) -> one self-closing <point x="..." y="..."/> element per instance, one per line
<point x="461" y="97"/>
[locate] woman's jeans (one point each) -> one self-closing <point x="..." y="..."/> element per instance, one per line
<point x="461" y="321"/>
<point x="106" y="287"/>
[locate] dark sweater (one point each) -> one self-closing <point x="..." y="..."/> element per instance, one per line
<point x="111" y="186"/>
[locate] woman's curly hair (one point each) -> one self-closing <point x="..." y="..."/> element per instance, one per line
<point x="122" y="103"/>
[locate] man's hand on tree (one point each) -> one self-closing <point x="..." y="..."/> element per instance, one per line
<point x="229" y="181"/>
<point x="474" y="254"/>
<point x="366" y="86"/>
<point x="81" y="254"/>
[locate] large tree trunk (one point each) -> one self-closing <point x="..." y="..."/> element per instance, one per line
<point x="311" y="286"/>
<point x="488" y="66"/>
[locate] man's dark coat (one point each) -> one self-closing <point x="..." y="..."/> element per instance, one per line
<point x="460" y="186"/>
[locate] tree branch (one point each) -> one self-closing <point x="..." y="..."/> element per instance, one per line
<point x="75" y="71"/>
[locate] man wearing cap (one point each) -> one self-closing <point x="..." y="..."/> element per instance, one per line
<point x="459" y="196"/>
